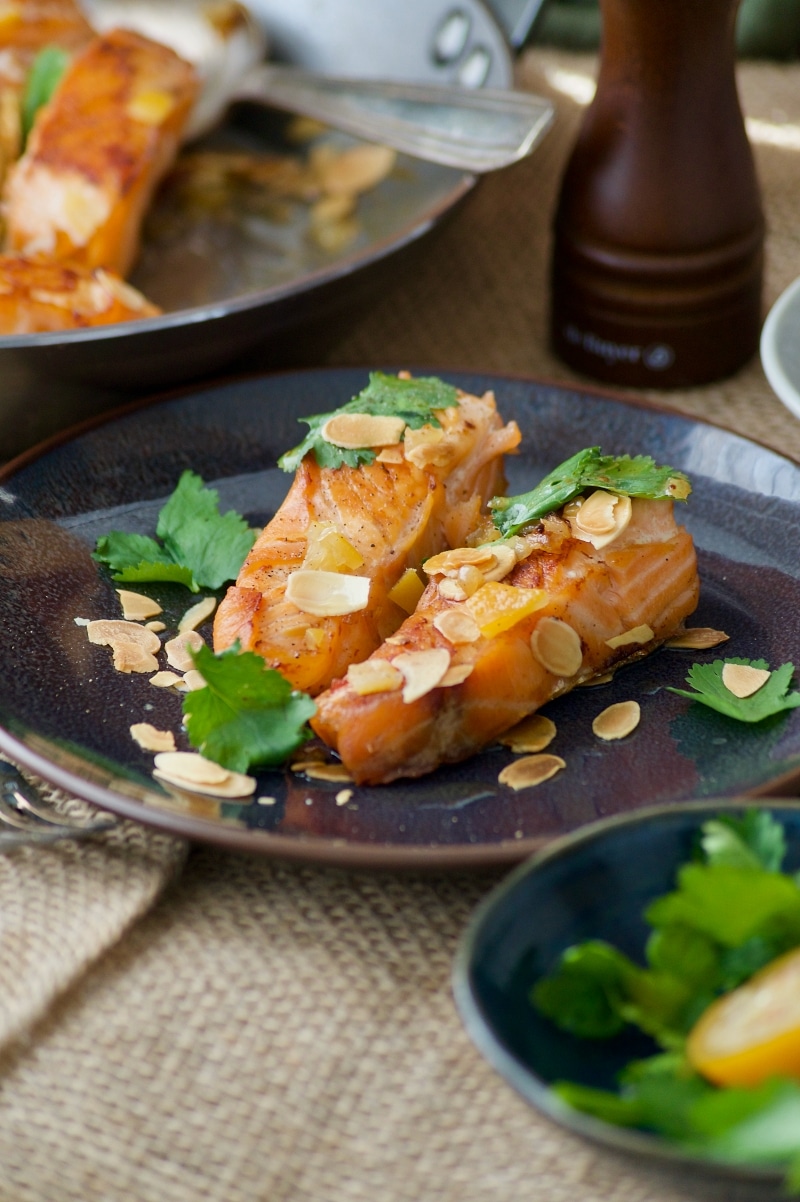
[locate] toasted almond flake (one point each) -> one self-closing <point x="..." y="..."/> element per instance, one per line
<point x="354" y="430"/>
<point x="150" y="738"/>
<point x="638" y="636"/>
<point x="457" y="626"/>
<point x="394" y="455"/>
<point x="456" y="674"/>
<point x="452" y="590"/>
<point x="449" y="563"/>
<point x="235" y="786"/>
<point x="343" y="796"/>
<point x="166" y="680"/>
<point x="408" y="590"/>
<point x="743" y="680"/>
<point x="197" y="614"/>
<point x="156" y="627"/>
<point x="374" y="676"/>
<point x="266" y="801"/>
<point x="334" y="773"/>
<point x="422" y="671"/>
<point x="557" y="647"/>
<point x="356" y="169"/>
<point x="530" y="770"/>
<point x="193" y="680"/>
<point x="603" y="678"/>
<point x="327" y="594"/>
<point x="178" y="650"/>
<point x="427" y="447"/>
<point x="132" y="645"/>
<point x="617" y="721"/>
<point x="531" y="734"/>
<point x="698" y="638"/>
<point x="504" y="559"/>
<point x="136" y="607"/>
<point x="601" y="518"/>
<point x="190" y="767"/>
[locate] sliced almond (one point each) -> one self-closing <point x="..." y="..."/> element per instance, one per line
<point x="136" y="607"/>
<point x="422" y="671"/>
<point x="133" y="646"/>
<point x="156" y="627"/>
<point x="530" y="770"/>
<point x="557" y="647"/>
<point x="601" y="518"/>
<point x="188" y="770"/>
<point x="356" y="169"/>
<point x="617" y="721"/>
<point x="743" y="680"/>
<point x="636" y="637"/>
<point x="449" y="563"/>
<point x="374" y="676"/>
<point x="197" y="614"/>
<point x="354" y="430"/>
<point x="394" y="455"/>
<point x="531" y="734"/>
<point x="150" y="738"/>
<point x="327" y="594"/>
<point x="165" y="680"/>
<point x="428" y="447"/>
<point x="193" y="680"/>
<point x="178" y="650"/>
<point x="698" y="638"/>
<point x="457" y="626"/>
<point x="602" y="678"/>
<point x="343" y="796"/>
<point x="456" y="674"/>
<point x="504" y="559"/>
<point x="314" y="770"/>
<point x="452" y="590"/>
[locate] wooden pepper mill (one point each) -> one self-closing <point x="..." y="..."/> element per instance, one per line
<point x="659" y="231"/>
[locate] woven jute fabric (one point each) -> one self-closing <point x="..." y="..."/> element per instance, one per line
<point x="184" y="1024"/>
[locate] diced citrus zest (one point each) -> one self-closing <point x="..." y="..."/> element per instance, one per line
<point x="329" y="551"/>
<point x="752" y="1033"/>
<point x="497" y="607"/>
<point x="408" y="590"/>
<point x="151" y="107"/>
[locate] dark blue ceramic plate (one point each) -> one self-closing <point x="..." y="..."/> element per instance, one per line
<point x="65" y="712"/>
<point x="593" y="884"/>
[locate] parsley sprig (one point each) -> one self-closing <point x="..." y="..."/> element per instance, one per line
<point x="772" y="698"/>
<point x="248" y="715"/>
<point x="415" y="400"/>
<point x="626" y="475"/>
<point x="199" y="547"/>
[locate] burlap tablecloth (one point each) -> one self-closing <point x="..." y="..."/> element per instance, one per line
<point x="179" y="1024"/>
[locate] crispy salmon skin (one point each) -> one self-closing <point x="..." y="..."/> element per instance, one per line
<point x="355" y="530"/>
<point x="97" y="151"/>
<point x="492" y="640"/>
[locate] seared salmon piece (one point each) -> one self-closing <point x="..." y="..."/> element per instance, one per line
<point x="97" y="151"/>
<point x="355" y="531"/>
<point x="460" y="672"/>
<point x="38" y="295"/>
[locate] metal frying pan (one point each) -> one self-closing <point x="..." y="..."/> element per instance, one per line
<point x="220" y="305"/>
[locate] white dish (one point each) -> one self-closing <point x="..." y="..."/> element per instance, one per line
<point x="780" y="347"/>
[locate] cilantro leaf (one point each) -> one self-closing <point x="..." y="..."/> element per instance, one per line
<point x="199" y="547"/>
<point x="415" y="400"/>
<point x="43" y="78"/>
<point x="772" y="698"/>
<point x="248" y="714"/>
<point x="636" y="476"/>
<point x="756" y="840"/>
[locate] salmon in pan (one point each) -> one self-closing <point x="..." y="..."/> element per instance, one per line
<point x="398" y="474"/>
<point x="586" y="572"/>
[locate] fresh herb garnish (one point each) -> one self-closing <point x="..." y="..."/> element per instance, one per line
<point x="625" y="475"/>
<point x="732" y="913"/>
<point x="199" y="547"/>
<point x="248" y="714"/>
<point x="772" y="698"/>
<point x="43" y="78"/>
<point x="415" y="400"/>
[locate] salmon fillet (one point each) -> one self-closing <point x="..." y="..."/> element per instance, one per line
<point x="375" y="521"/>
<point x="512" y="645"/>
<point x="37" y="296"/>
<point x="97" y="152"/>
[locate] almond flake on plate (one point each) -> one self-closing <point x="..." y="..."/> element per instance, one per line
<point x="617" y="721"/>
<point x="197" y="614"/>
<point x="698" y="638"/>
<point x="530" y="735"/>
<point x="150" y="738"/>
<point x="136" y="607"/>
<point x="530" y="770"/>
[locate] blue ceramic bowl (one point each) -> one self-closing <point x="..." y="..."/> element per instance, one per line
<point x="593" y="884"/>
